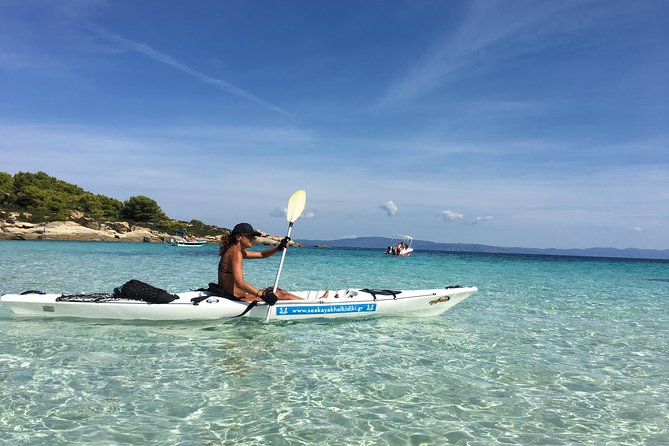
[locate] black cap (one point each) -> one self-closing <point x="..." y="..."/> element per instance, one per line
<point x="246" y="229"/>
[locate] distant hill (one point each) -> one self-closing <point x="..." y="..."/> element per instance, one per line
<point x="424" y="245"/>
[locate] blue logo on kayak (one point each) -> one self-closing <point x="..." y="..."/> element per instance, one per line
<point x="290" y="310"/>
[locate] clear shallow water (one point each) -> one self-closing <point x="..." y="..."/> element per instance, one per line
<point x="549" y="351"/>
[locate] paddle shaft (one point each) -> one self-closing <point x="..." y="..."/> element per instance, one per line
<point x="283" y="256"/>
<point x="293" y="211"/>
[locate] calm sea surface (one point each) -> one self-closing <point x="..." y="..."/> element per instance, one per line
<point x="551" y="350"/>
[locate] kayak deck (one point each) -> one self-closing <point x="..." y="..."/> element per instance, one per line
<point x="347" y="303"/>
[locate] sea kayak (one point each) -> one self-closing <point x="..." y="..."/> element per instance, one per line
<point x="205" y="305"/>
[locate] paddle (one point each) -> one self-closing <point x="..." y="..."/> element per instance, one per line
<point x="295" y="207"/>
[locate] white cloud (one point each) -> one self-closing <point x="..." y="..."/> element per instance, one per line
<point x="309" y="214"/>
<point x="482" y="218"/>
<point x="449" y="216"/>
<point x="636" y="229"/>
<point x="172" y="62"/>
<point x="491" y="31"/>
<point x="390" y="207"/>
<point x="279" y="212"/>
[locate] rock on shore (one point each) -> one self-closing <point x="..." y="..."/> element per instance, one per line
<point x="70" y="230"/>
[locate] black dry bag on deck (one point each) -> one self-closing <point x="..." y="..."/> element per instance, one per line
<point x="137" y="290"/>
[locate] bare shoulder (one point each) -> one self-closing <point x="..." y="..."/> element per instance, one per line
<point x="234" y="255"/>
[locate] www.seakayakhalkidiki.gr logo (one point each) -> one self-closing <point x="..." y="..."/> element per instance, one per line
<point x="324" y="309"/>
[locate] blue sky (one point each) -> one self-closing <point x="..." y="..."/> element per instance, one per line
<point x="510" y="123"/>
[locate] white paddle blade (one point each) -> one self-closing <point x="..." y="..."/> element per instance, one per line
<point x="296" y="205"/>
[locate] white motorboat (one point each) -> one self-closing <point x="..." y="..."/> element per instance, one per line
<point x="181" y="239"/>
<point x="183" y="242"/>
<point x="400" y="245"/>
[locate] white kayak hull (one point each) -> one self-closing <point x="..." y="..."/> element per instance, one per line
<point x="346" y="303"/>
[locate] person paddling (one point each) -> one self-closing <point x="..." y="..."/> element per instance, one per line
<point x="234" y="248"/>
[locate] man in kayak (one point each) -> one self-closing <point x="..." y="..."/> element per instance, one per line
<point x="234" y="248"/>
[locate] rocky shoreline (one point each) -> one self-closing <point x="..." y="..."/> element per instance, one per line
<point x="81" y="228"/>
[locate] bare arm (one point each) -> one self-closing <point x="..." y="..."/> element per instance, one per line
<point x="260" y="254"/>
<point x="238" y="273"/>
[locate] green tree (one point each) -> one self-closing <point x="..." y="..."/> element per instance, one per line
<point x="47" y="198"/>
<point x="110" y="208"/>
<point x="142" y="209"/>
<point x="101" y="207"/>
<point x="45" y="182"/>
<point x="6" y="187"/>
<point x="31" y="197"/>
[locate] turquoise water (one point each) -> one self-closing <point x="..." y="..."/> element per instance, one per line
<point x="559" y="351"/>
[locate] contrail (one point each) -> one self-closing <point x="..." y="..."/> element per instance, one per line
<point x="172" y="62"/>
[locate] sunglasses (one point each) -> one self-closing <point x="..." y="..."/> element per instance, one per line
<point x="249" y="236"/>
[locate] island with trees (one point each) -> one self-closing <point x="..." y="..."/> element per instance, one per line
<point x="39" y="206"/>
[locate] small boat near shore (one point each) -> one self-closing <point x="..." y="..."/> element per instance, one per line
<point x="400" y="245"/>
<point x="204" y="305"/>
<point x="196" y="242"/>
<point x="181" y="239"/>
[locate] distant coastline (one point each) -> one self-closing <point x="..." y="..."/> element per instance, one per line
<point x="120" y="231"/>
<point x="424" y="245"/>
<point x="36" y="206"/>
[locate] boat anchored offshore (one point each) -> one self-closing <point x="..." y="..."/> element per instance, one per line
<point x="203" y="305"/>
<point x="181" y="239"/>
<point x="400" y="245"/>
